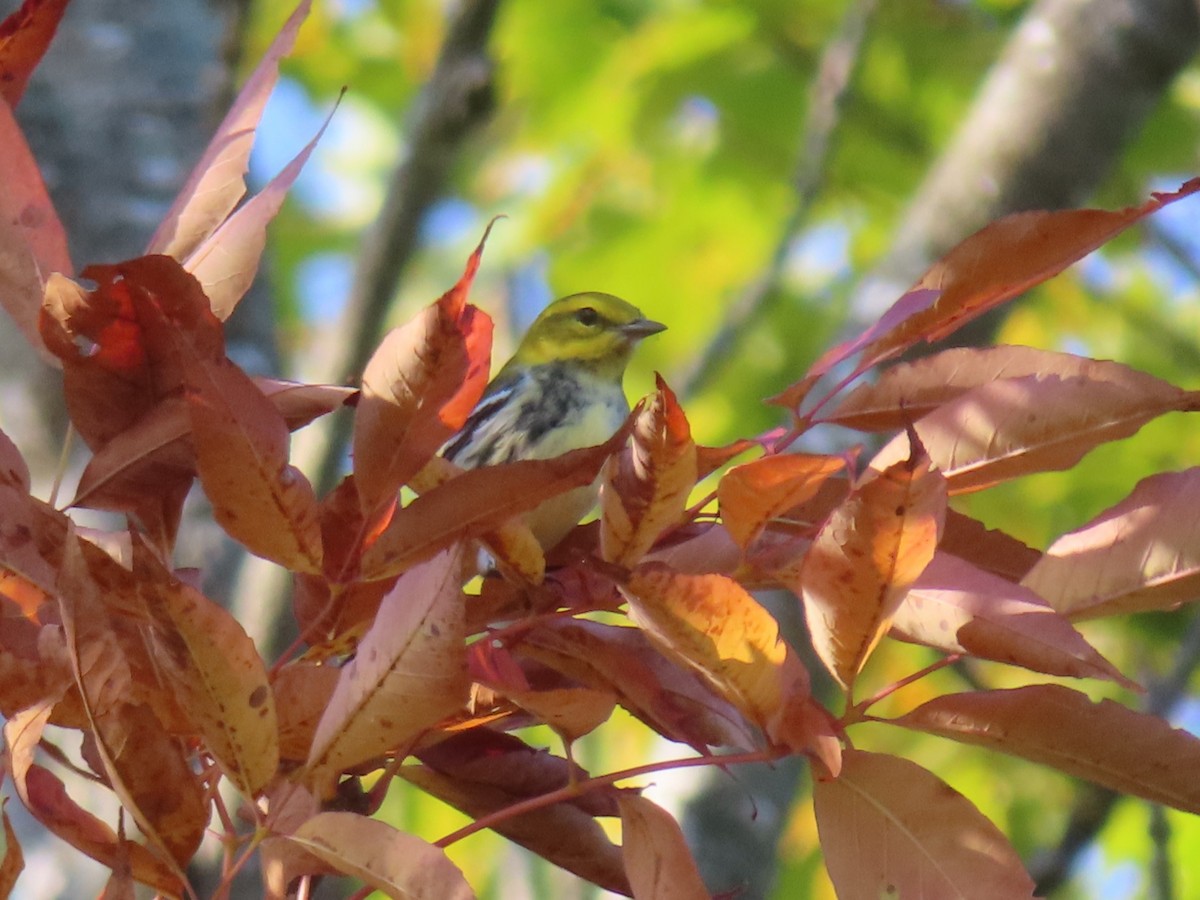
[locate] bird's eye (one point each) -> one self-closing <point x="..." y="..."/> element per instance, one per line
<point x="587" y="316"/>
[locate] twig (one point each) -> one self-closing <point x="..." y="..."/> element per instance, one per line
<point x="1093" y="803"/>
<point x="826" y="100"/>
<point x="1162" y="882"/>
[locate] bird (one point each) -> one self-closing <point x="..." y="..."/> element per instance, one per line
<point x="561" y="390"/>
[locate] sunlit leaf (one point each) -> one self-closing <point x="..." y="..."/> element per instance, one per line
<point x="755" y="492"/>
<point x="1005" y="429"/>
<point x="645" y="487"/>
<point x="419" y="387"/>
<point x="1142" y="554"/>
<point x="958" y="608"/>
<point x="409" y="671"/>
<point x="865" y="559"/>
<point x="1110" y="744"/>
<point x="891" y="829"/>
<point x="401" y="865"/>
<point x="217" y="182"/>
<point x="657" y="859"/>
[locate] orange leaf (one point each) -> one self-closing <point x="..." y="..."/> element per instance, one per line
<point x="217" y="182"/>
<point x="226" y="261"/>
<point x="710" y="624"/>
<point x="14" y="860"/>
<point x="1110" y="744"/>
<point x="908" y="391"/>
<point x="1006" y="429"/>
<point x="409" y="672"/>
<point x="399" y="864"/>
<point x="670" y="699"/>
<point x="477" y="501"/>
<point x="482" y="771"/>
<point x="138" y="756"/>
<point x="891" y="829"/>
<point x="645" y="487"/>
<point x="24" y="37"/>
<point x="418" y="389"/>
<point x="959" y="609"/>
<point x="755" y="492"/>
<point x="46" y="799"/>
<point x="241" y="445"/>
<point x="1142" y="554"/>
<point x="1007" y="258"/>
<point x="216" y="671"/>
<point x="657" y="859"/>
<point x="33" y="243"/>
<point x="866" y="557"/>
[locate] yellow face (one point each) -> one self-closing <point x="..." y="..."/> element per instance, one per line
<point x="588" y="328"/>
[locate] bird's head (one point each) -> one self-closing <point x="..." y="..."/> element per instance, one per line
<point x="597" y="331"/>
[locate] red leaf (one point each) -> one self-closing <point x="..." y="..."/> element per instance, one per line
<point x="891" y="829"/>
<point x="242" y="454"/>
<point x="1105" y="742"/>
<point x="418" y="389"/>
<point x="24" y="37"/>
<point x="33" y="244"/>
<point x="1007" y="258"/>
<point x="226" y="261"/>
<point x="217" y="182"/>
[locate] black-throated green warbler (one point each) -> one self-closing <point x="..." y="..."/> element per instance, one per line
<point x="562" y="390"/>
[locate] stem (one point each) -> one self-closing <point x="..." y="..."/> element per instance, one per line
<point x="857" y="712"/>
<point x="572" y="791"/>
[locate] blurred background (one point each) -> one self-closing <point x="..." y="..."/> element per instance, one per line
<point x="763" y="176"/>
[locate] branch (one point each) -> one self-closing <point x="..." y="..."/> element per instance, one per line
<point x="827" y="97"/>
<point x="1072" y="87"/>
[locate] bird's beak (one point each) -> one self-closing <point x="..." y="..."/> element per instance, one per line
<point x="640" y="328"/>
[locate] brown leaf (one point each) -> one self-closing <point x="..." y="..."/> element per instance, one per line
<point x="419" y="387"/>
<point x="1006" y="429"/>
<point x="482" y="772"/>
<point x="399" y="864"/>
<point x="24" y="37"/>
<point x="755" y="492"/>
<point x="958" y="608"/>
<point x="645" y="487"/>
<point x="703" y="550"/>
<point x="33" y="243"/>
<point x="13" y="860"/>
<point x="241" y="445"/>
<point x="709" y="459"/>
<point x="1142" y="554"/>
<point x="670" y="699"/>
<point x="1110" y="744"/>
<point x="226" y="261"/>
<point x="302" y="692"/>
<point x="137" y="754"/>
<point x="866" y="557"/>
<point x="710" y="624"/>
<point x="986" y="548"/>
<point x="216" y="671"/>
<point x="475" y="502"/>
<point x="46" y="799"/>
<point x="657" y="859"/>
<point x="1005" y="259"/>
<point x="908" y="391"/>
<point x="217" y="182"/>
<point x="409" y="672"/>
<point x="891" y="829"/>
